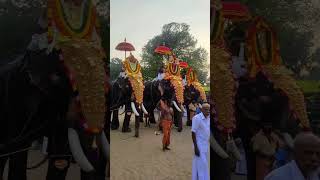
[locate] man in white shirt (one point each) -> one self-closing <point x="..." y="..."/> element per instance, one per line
<point x="201" y="136"/>
<point x="306" y="161"/>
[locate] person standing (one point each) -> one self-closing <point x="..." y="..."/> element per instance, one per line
<point x="306" y="163"/>
<point x="201" y="136"/>
<point x="166" y="122"/>
<point x="265" y="144"/>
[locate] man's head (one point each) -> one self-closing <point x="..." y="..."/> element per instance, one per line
<point x="307" y="152"/>
<point x="205" y="109"/>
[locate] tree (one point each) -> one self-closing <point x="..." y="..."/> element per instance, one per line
<point x="176" y="36"/>
<point x="296" y="23"/>
<point x="115" y="68"/>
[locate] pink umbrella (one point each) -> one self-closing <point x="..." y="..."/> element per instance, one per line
<point x="125" y="46"/>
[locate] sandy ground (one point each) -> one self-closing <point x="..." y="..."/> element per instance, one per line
<point x="142" y="158"/>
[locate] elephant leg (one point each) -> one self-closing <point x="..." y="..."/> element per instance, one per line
<point x="115" y="120"/>
<point x="221" y="170"/>
<point x="141" y="116"/>
<point x="3" y="161"/>
<point x="18" y="166"/>
<point x="178" y="120"/>
<point x="151" y="117"/>
<point x="54" y="173"/>
<point x="126" y="122"/>
<point x="136" y="126"/>
<point x="250" y="159"/>
<point x="189" y="122"/>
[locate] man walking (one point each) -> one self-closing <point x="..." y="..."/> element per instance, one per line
<point x="200" y="136"/>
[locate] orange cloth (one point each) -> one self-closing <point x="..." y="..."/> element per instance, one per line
<point x="166" y="129"/>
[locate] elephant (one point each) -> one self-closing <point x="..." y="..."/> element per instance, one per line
<point x="257" y="90"/>
<point x="38" y="88"/>
<point x="121" y="95"/>
<point x="154" y="91"/>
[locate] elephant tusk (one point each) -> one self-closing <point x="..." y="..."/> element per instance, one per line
<point x="105" y="145"/>
<point x="133" y="107"/>
<point x="77" y="151"/>
<point x="288" y="139"/>
<point x="200" y="106"/>
<point x="231" y="147"/>
<point x="144" y="109"/>
<point x="176" y="106"/>
<point x="217" y="148"/>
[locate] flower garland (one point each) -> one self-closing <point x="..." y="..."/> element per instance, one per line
<point x="87" y="76"/>
<point x="176" y="81"/>
<point x="136" y="80"/>
<point x="193" y="80"/>
<point x="282" y="79"/>
<point x="57" y="17"/>
<point x="255" y="57"/>
<point x="223" y="86"/>
<point x="173" y="74"/>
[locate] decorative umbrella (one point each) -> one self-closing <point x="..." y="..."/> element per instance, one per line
<point x="164" y="50"/>
<point x="125" y="46"/>
<point x="183" y="64"/>
<point x="235" y="11"/>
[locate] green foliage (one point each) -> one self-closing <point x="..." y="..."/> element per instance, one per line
<point x="309" y="86"/>
<point x="176" y="36"/>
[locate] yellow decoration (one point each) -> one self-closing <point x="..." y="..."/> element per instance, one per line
<point x="135" y="78"/>
<point x="86" y="62"/>
<point x="192" y="79"/>
<point x="57" y="19"/>
<point x="223" y="88"/>
<point x="281" y="78"/>
<point x="176" y="81"/>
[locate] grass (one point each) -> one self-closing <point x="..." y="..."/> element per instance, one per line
<point x="309" y="87"/>
<point x="206" y="88"/>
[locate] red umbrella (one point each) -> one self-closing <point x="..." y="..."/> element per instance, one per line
<point x="163" y="50"/>
<point x="183" y="64"/>
<point x="235" y="11"/>
<point x="125" y="46"/>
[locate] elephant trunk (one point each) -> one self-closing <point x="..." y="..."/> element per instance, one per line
<point x="232" y="148"/>
<point x="77" y="151"/>
<point x="217" y="148"/>
<point x="144" y="109"/>
<point x="133" y="107"/>
<point x="105" y="146"/>
<point x="176" y="106"/>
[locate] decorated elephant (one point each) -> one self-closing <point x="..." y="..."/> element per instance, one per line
<point x="163" y="87"/>
<point x="193" y="93"/>
<point x="82" y="58"/>
<point x="127" y="90"/>
<point x="246" y="69"/>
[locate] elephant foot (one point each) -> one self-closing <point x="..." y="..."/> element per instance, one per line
<point x="114" y="127"/>
<point x="179" y="129"/>
<point x="136" y="135"/>
<point x="189" y="123"/>
<point x="124" y="130"/>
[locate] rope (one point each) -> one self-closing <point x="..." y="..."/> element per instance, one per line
<point x="15" y="152"/>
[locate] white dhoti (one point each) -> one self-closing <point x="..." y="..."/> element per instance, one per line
<point x="200" y="168"/>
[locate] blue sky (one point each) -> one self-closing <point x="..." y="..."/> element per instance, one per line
<point x="141" y="20"/>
